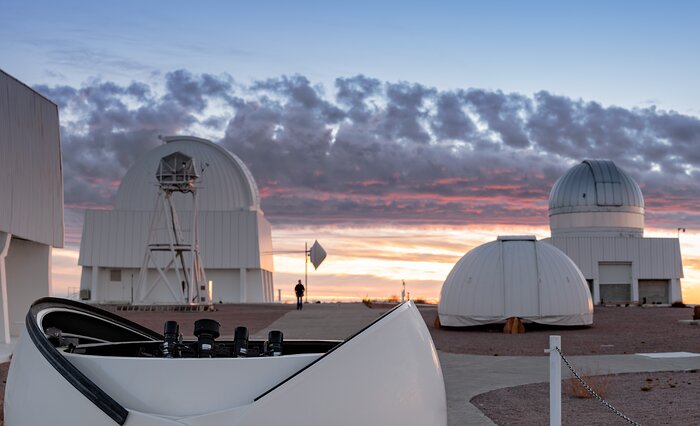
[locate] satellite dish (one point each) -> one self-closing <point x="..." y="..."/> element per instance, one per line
<point x="316" y="254"/>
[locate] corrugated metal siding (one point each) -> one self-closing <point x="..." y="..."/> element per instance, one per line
<point x="651" y="258"/>
<point x="265" y="232"/>
<point x="30" y="165"/>
<point x="117" y="238"/>
<point x="225" y="184"/>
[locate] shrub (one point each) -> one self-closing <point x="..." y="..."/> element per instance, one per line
<point x="575" y="389"/>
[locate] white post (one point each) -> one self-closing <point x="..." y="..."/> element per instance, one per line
<point x="94" y="284"/>
<point x="243" y="296"/>
<point x="5" y="239"/>
<point x="554" y="381"/>
<point x="279" y="295"/>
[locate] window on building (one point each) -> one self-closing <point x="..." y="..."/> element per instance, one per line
<point x="115" y="274"/>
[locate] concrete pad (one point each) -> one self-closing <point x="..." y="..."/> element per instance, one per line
<point x="670" y="355"/>
<point x="467" y="376"/>
<point x="323" y="321"/>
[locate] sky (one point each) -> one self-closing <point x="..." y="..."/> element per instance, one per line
<point x="398" y="134"/>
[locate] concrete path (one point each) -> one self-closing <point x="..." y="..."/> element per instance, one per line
<point x="467" y="376"/>
<point x="324" y="321"/>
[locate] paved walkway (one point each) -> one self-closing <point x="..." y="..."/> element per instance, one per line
<point x="331" y="321"/>
<point x="466" y="376"/>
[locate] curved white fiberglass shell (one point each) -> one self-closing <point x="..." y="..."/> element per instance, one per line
<point x="387" y="374"/>
<point x="225" y="183"/>
<point x="515" y="277"/>
<point x="598" y="198"/>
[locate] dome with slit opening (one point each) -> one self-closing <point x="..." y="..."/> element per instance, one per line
<point x="224" y="183"/>
<point x="515" y="276"/>
<point x="596" y="198"/>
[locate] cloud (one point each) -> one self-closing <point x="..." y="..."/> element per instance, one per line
<point x="372" y="151"/>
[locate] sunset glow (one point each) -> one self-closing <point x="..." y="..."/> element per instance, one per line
<point x="371" y="261"/>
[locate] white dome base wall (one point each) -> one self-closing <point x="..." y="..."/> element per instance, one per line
<point x="599" y="224"/>
<point x="31" y="199"/>
<point x="515" y="277"/>
<point x="28" y="274"/>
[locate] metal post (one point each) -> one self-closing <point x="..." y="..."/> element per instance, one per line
<point x="5" y="240"/>
<point x="554" y="381"/>
<point x="306" y="270"/>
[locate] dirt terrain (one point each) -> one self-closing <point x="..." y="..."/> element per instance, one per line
<point x="648" y="398"/>
<point x="614" y="331"/>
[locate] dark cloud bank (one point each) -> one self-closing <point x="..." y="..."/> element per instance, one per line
<point x="368" y="151"/>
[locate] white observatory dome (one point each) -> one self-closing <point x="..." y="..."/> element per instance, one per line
<point x="225" y="183"/>
<point x="596" y="198"/>
<point x="515" y="277"/>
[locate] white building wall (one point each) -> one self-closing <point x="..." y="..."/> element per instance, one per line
<point x="31" y="198"/>
<point x="226" y="286"/>
<point x="229" y="241"/>
<point x="650" y="259"/>
<point x="31" y="193"/>
<point x="28" y="278"/>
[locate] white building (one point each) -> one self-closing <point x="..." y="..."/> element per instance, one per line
<point x="31" y="199"/>
<point x="515" y="277"/>
<point x="234" y="236"/>
<point x="596" y="217"/>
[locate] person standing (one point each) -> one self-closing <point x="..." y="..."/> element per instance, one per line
<point x="299" y="290"/>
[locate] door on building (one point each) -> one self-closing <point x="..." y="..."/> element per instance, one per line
<point x="118" y="289"/>
<point x="655" y="291"/>
<point x="615" y="282"/>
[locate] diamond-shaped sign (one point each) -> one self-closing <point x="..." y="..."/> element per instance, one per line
<point x="316" y="254"/>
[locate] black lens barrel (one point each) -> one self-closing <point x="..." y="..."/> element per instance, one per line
<point x="274" y="343"/>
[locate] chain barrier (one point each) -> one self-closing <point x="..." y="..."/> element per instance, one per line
<point x="593" y="393"/>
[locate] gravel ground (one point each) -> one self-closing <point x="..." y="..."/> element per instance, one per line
<point x="648" y="398"/>
<point x="614" y="331"/>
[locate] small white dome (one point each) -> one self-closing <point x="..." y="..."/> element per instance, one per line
<point x="596" y="198"/>
<point x="225" y="183"/>
<point x="515" y="277"/>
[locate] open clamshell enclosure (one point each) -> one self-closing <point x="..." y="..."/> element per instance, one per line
<point x="91" y="367"/>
